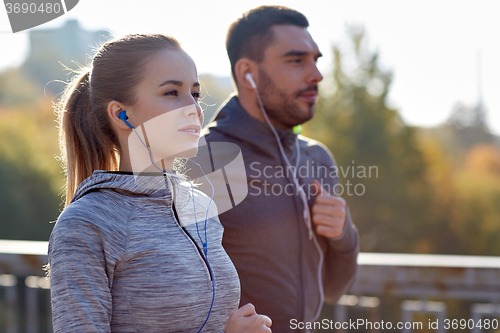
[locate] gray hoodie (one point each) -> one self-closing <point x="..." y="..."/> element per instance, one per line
<point x="124" y="259"/>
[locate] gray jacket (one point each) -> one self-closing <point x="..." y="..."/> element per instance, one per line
<point x="122" y="262"/>
<point x="265" y="235"/>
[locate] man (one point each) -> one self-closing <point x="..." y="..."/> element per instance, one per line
<point x="286" y="265"/>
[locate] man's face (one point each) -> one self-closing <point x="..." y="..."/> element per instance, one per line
<point x="288" y="76"/>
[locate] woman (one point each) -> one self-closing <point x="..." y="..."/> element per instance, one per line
<point x="125" y="255"/>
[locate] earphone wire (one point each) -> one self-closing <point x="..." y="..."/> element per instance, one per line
<point x="302" y="195"/>
<point x="306" y="214"/>
<point x="205" y="244"/>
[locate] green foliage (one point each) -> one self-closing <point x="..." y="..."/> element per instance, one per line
<point x="17" y="89"/>
<point x="468" y="125"/>
<point x="355" y="122"/>
<point x="438" y="189"/>
<point x="30" y="176"/>
<point x="465" y="187"/>
<point x="476" y="216"/>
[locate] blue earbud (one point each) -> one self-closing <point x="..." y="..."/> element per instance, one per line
<point x="123" y="116"/>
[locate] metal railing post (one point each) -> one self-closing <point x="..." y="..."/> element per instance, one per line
<point x="32" y="308"/>
<point x="9" y="282"/>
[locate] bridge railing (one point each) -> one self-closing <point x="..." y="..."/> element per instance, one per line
<point x="389" y="289"/>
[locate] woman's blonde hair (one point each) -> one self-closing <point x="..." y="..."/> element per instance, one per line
<point x="86" y="139"/>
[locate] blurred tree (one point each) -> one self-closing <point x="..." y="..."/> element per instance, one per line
<point x="484" y="160"/>
<point x="465" y="127"/>
<point x="362" y="131"/>
<point x="468" y="125"/>
<point x="476" y="215"/>
<point x="437" y="190"/>
<point x="440" y="174"/>
<point x="30" y="175"/>
<point x="16" y="88"/>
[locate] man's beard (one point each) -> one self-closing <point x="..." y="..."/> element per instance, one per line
<point x="283" y="108"/>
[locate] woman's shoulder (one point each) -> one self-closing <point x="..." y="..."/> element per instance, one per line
<point x="87" y="224"/>
<point x="95" y="211"/>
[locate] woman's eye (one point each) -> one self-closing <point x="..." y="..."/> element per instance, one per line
<point x="171" y="93"/>
<point x="196" y="95"/>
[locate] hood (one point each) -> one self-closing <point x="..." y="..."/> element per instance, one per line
<point x="233" y="121"/>
<point x="125" y="183"/>
<point x="153" y="189"/>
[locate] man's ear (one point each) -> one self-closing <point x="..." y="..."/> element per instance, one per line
<point x="241" y="69"/>
<point x="114" y="109"/>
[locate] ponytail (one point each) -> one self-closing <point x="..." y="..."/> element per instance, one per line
<point x="86" y="139"/>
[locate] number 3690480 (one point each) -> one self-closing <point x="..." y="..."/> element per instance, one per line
<point x="32" y="8"/>
<point x="470" y="324"/>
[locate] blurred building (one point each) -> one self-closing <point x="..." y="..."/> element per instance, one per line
<point x="52" y="49"/>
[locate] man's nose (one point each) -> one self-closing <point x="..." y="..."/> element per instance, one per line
<point x="315" y="75"/>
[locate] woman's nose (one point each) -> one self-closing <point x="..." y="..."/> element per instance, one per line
<point x="198" y="109"/>
<point x="193" y="110"/>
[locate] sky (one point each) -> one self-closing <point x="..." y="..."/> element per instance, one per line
<point x="431" y="46"/>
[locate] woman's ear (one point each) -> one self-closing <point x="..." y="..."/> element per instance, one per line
<point x="243" y="67"/>
<point x="114" y="109"/>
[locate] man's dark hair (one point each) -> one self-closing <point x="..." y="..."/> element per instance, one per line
<point x="251" y="34"/>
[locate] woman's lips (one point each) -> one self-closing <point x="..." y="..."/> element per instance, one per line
<point x="193" y="130"/>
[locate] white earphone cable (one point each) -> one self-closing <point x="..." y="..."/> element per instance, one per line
<point x="302" y="195"/>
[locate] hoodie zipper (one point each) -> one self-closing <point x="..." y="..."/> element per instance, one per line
<point x="209" y="273"/>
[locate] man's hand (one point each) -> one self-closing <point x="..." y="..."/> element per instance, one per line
<point x="328" y="212"/>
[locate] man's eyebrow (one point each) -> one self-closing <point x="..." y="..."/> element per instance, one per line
<point x="298" y="53"/>
<point x="178" y="83"/>
<point x="295" y="53"/>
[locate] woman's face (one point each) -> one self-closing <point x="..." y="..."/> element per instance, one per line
<point x="167" y="106"/>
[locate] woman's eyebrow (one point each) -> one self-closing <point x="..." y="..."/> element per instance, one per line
<point x="177" y="83"/>
<point x="174" y="82"/>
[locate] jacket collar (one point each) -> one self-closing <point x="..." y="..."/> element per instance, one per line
<point x="150" y="186"/>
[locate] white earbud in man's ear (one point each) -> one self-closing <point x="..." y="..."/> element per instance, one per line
<point x="249" y="78"/>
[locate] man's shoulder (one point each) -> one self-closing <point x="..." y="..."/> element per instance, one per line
<point x="212" y="134"/>
<point x="318" y="150"/>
